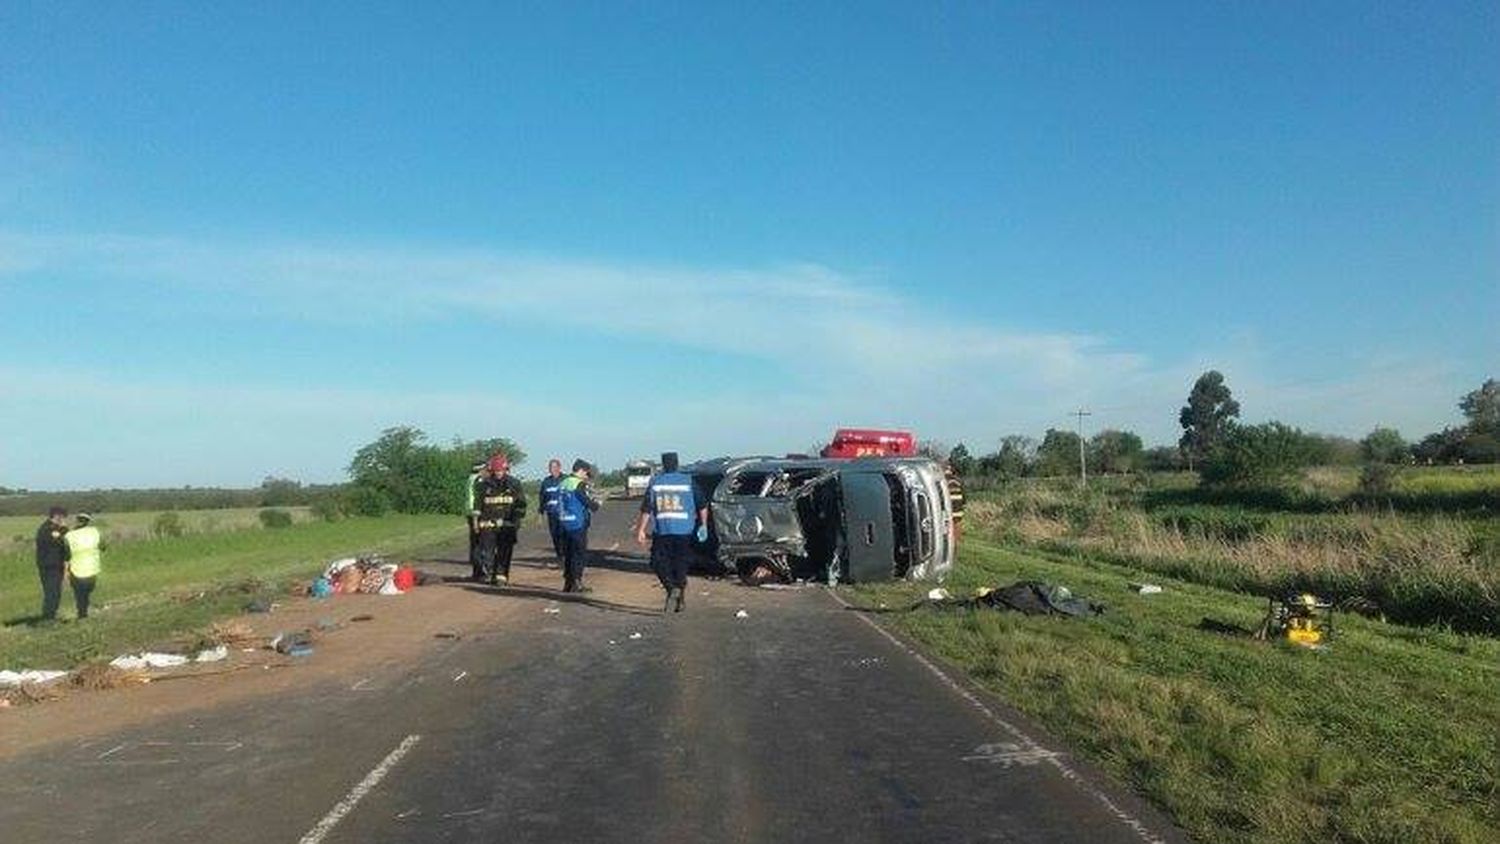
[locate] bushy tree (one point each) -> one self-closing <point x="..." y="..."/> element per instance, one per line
<point x="1116" y="452"/>
<point x="1265" y="455"/>
<point x="961" y="461"/>
<point x="1014" y="459"/>
<point x="1058" y="453"/>
<point x="1445" y="446"/>
<point x="280" y="492"/>
<point x="1333" y="450"/>
<point x="1163" y="458"/>
<point x="1385" y="445"/>
<point x="401" y="471"/>
<point x="1209" y="412"/>
<point x="1482" y="408"/>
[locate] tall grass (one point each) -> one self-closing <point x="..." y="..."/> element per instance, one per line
<point x="1412" y="568"/>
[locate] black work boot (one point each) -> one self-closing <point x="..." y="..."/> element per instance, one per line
<point x="671" y="598"/>
<point x="681" y="598"/>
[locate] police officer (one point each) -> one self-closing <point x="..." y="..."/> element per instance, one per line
<point x="476" y="472"/>
<point x="52" y="559"/>
<point x="84" y="548"/>
<point x="547" y="503"/>
<point x="576" y="504"/>
<point x="502" y="505"/>
<point x="671" y="505"/>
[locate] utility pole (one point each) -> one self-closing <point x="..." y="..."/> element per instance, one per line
<point x="1083" y="459"/>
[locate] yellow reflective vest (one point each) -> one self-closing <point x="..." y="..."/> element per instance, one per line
<point x="83" y="551"/>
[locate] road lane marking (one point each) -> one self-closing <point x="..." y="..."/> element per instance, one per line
<point x="1028" y="743"/>
<point x="356" y="794"/>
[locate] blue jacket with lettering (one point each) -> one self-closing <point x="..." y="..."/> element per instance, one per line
<point x="673" y="503"/>
<point x="575" y="506"/>
<point x="547" y="498"/>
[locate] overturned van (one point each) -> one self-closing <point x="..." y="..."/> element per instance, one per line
<point x="853" y="521"/>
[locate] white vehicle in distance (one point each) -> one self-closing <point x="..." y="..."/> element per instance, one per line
<point x="638" y="475"/>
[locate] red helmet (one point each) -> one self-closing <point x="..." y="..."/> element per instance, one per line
<point x="499" y="463"/>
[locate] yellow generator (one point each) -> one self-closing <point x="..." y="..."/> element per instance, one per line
<point x="1303" y="619"/>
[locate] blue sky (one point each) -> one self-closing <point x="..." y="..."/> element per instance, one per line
<point x="241" y="240"/>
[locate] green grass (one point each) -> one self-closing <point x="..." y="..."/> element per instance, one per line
<point x="17" y="533"/>
<point x="1421" y="565"/>
<point x="1392" y="735"/>
<point x="149" y="590"/>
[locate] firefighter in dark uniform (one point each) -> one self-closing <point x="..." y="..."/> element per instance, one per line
<point x="547" y="502"/>
<point x="52" y="559"/>
<point x="679" y="518"/>
<point x="502" y="505"/>
<point x="476" y="473"/>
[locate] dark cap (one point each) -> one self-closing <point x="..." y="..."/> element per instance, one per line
<point x="56" y="511"/>
<point x="580" y="463"/>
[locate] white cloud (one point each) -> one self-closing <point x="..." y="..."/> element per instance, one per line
<point x="847" y="349"/>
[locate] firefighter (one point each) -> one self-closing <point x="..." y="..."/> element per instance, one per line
<point x="84" y="548"/>
<point x="576" y="504"/>
<point x="476" y="473"/>
<point x="52" y="559"/>
<point x="672" y="506"/>
<point x="547" y="504"/>
<point x="502" y="505"/>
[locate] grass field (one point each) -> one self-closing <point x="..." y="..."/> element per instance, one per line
<point x="18" y="532"/>
<point x="150" y="589"/>
<point x="1436" y="560"/>
<point x="1392" y="735"/>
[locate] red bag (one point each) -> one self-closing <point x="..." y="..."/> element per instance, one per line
<point x="405" y="578"/>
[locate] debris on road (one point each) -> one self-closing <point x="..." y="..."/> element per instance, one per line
<point x="290" y="643"/>
<point x="147" y="659"/>
<point x="551" y="610"/>
<point x="635" y="635"/>
<point x="212" y="654"/>
<point x="363" y="617"/>
<point x="370" y="575"/>
<point x="741" y="614"/>
<point x="14" y="679"/>
<point x="447" y="634"/>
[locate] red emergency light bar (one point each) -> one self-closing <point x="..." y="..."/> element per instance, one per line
<point x="860" y="442"/>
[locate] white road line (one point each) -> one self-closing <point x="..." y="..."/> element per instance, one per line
<point x="1135" y="824"/>
<point x="372" y="779"/>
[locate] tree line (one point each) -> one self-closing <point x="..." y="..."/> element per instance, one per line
<point x="1227" y="452"/>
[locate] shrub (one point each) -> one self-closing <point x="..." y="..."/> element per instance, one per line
<point x="273" y="518"/>
<point x="1266" y="455"/>
<point x="327" y="509"/>
<point x="1377" y="480"/>
<point x="368" y="501"/>
<point x="168" y="524"/>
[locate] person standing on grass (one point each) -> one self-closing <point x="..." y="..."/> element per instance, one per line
<point x="576" y="504"/>
<point x="52" y="559"/>
<point x="85" y="547"/>
<point x="547" y="498"/>
<point x="502" y="505"/>
<point x="671" y="505"/>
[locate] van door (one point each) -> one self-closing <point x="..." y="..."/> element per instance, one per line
<point x="869" y="533"/>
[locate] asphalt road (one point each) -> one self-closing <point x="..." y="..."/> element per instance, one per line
<point x="604" y="721"/>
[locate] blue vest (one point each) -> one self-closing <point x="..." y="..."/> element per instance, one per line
<point x="673" y="504"/>
<point x="572" y="510"/>
<point x="551" y="489"/>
